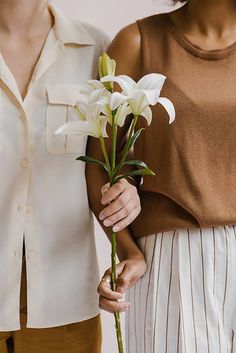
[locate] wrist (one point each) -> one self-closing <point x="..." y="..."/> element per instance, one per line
<point x="136" y="255"/>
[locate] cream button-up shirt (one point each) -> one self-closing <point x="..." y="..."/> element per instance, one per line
<point x="43" y="190"/>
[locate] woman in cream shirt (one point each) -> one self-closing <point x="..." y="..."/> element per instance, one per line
<point x="44" y="212"/>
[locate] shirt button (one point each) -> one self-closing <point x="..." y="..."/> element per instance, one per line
<point x="24" y="163"/>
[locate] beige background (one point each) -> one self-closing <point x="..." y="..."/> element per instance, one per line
<point x="110" y="15"/>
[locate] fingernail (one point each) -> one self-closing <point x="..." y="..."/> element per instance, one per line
<point x="103" y="201"/>
<point x="107" y="223"/>
<point x="101" y="216"/>
<point x="116" y="229"/>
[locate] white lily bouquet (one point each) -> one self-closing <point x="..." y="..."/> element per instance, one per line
<point x="97" y="106"/>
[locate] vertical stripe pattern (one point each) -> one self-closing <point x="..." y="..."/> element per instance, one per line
<point x="186" y="301"/>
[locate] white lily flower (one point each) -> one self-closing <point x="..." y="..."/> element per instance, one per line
<point x="143" y="93"/>
<point x="94" y="125"/>
<point x="109" y="102"/>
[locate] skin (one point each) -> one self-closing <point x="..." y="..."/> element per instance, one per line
<point x="24" y="26"/>
<point x="209" y="24"/>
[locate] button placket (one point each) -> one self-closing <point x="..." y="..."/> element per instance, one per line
<point x="25" y="163"/>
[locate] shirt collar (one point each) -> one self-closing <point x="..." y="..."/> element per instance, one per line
<point x="68" y="30"/>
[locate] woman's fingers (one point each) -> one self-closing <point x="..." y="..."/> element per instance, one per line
<point x="123" y="205"/>
<point x="126" y="221"/>
<point x="113" y="306"/>
<point x="110" y="193"/>
<point x="118" y="204"/>
<point x="104" y="289"/>
<point x="109" y="300"/>
<point x="125" y="214"/>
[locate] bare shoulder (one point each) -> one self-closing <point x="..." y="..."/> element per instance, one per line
<point x="128" y="38"/>
<point x="126" y="50"/>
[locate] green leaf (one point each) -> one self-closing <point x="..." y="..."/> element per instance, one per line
<point x="144" y="171"/>
<point x="136" y="163"/>
<point x="91" y="160"/>
<point x="87" y="159"/>
<point x="134" y="138"/>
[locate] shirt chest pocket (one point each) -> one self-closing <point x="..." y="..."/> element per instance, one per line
<point x="61" y="99"/>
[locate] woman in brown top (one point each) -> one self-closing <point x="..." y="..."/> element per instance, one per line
<point x="185" y="303"/>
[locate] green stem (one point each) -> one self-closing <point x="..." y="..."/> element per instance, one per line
<point x="118" y="333"/>
<point x="114" y="138"/>
<point x="127" y="145"/>
<point x="104" y="151"/>
<point x="113" y="261"/>
<point x="113" y="286"/>
<point x="113" y="237"/>
<point x="113" y="148"/>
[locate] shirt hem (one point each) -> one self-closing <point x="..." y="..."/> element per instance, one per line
<point x="62" y="322"/>
<point x="12" y="328"/>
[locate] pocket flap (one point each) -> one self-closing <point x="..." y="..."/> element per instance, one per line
<point x="65" y="94"/>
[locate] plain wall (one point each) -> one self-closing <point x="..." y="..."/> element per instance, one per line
<point x="110" y="16"/>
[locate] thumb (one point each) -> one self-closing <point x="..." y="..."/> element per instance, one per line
<point x="123" y="280"/>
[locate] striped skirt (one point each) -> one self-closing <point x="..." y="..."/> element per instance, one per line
<point x="186" y="301"/>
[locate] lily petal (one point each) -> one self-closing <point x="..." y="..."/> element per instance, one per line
<point x="117" y="99"/>
<point x="151" y="82"/>
<point x="125" y="82"/>
<point x="147" y="114"/>
<point x="95" y="95"/>
<point x="83" y="128"/>
<point x="169" y="107"/>
<point x="122" y="112"/>
<point x="152" y="96"/>
<point x="74" y="128"/>
<point x="81" y="110"/>
<point x="95" y="84"/>
<point x="103" y="126"/>
<point x="138" y="102"/>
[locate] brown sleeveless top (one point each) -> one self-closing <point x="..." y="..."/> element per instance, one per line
<point x="194" y="158"/>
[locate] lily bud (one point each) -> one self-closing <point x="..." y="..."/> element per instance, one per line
<point x="107" y="67"/>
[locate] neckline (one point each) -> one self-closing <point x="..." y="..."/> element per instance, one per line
<point x="213" y="54"/>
